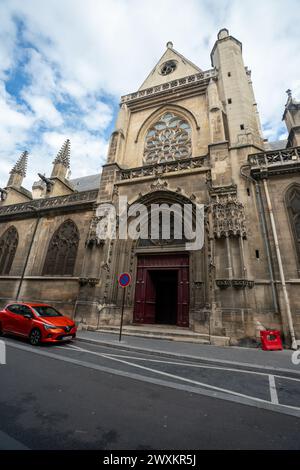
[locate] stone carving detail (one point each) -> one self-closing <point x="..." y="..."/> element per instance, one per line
<point x="50" y="203"/>
<point x="275" y="157"/>
<point x="92" y="238"/>
<point x="112" y="147"/>
<point x="228" y="217"/>
<point x="116" y="191"/>
<point x="237" y="283"/>
<point x="20" y="167"/>
<point x="168" y="139"/>
<point x="63" y="156"/>
<point x="223" y="283"/>
<point x="90" y="281"/>
<point x="199" y="77"/>
<point x="161" y="168"/>
<point x="3" y="194"/>
<point x="159" y="185"/>
<point x="108" y="281"/>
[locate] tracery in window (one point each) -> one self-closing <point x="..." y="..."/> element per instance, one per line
<point x="168" y="139"/>
<point x="168" y="67"/>
<point x="8" y="246"/>
<point x="62" y="250"/>
<point x="293" y="203"/>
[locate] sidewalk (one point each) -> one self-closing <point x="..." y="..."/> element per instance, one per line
<point x="277" y="360"/>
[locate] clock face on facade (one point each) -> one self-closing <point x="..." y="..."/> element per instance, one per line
<point x="168" y="67"/>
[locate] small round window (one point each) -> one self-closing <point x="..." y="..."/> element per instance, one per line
<point x="168" y="67"/>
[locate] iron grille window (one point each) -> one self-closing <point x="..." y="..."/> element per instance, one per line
<point x="8" y="246"/>
<point x="168" y="139"/>
<point x="62" y="251"/>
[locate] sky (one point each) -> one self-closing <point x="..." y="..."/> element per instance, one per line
<point x="65" y="63"/>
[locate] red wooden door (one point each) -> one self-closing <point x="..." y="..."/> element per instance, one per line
<point x="144" y="307"/>
<point x="150" y="294"/>
<point x="183" y="297"/>
<point x="139" y="305"/>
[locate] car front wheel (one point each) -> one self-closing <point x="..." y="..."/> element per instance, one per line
<point x="35" y="337"/>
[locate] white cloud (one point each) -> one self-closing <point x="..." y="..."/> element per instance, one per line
<point x="97" y="116"/>
<point x="44" y="110"/>
<point x="71" y="54"/>
<point x="15" y="123"/>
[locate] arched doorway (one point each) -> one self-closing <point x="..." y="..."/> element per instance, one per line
<point x="162" y="292"/>
<point x="162" y="289"/>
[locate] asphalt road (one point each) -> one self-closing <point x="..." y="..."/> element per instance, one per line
<point x="82" y="396"/>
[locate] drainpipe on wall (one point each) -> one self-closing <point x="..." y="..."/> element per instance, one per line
<point x="281" y="272"/>
<point x="265" y="236"/>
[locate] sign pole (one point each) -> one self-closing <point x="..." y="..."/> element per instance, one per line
<point x="124" y="280"/>
<point x="122" y="313"/>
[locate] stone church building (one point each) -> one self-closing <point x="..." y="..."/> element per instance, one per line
<point x="186" y="136"/>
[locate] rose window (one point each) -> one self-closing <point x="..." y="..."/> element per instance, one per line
<point x="168" y="139"/>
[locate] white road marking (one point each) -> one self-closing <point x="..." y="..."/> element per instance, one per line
<point x="200" y="366"/>
<point x="194" y="382"/>
<point x="273" y="391"/>
<point x="244" y="400"/>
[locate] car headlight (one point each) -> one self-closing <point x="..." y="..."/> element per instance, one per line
<point x="49" y="327"/>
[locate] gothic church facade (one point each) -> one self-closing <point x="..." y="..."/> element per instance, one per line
<point x="186" y="136"/>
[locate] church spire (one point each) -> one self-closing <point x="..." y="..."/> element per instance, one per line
<point x="21" y="166"/>
<point x="18" y="172"/>
<point x="63" y="155"/>
<point x="61" y="163"/>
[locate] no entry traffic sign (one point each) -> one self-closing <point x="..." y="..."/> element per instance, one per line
<point x="124" y="279"/>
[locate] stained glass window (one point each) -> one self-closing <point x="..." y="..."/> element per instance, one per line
<point x="168" y="139"/>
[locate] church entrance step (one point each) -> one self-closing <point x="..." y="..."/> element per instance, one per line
<point x="168" y="332"/>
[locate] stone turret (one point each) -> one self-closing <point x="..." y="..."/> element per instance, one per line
<point x="291" y="116"/>
<point x="58" y="184"/>
<point x="18" y="172"/>
<point x="14" y="192"/>
<point x="62" y="161"/>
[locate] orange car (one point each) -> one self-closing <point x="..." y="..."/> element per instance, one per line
<point x="41" y="323"/>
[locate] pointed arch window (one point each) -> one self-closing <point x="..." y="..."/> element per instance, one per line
<point x="293" y="205"/>
<point x="8" y="247"/>
<point x="168" y="139"/>
<point x="62" y="251"/>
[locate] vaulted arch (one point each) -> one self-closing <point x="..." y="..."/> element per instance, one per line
<point x="292" y="199"/>
<point x="166" y="213"/>
<point x="62" y="250"/>
<point x="8" y="247"/>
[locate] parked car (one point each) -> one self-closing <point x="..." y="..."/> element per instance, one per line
<point x="40" y="323"/>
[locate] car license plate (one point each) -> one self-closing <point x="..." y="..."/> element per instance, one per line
<point x="67" y="337"/>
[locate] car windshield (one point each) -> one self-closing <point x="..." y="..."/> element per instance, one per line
<point x="46" y="311"/>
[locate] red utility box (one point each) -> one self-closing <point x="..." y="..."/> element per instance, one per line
<point x="271" y="340"/>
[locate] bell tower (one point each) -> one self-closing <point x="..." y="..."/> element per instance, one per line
<point x="235" y="89"/>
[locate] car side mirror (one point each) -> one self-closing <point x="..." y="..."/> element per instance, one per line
<point x="28" y="316"/>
